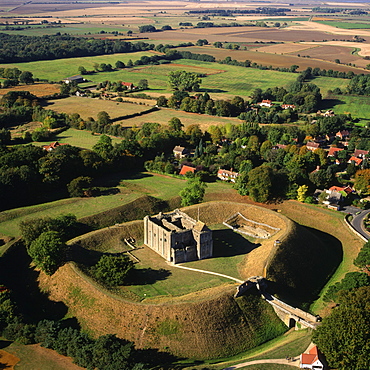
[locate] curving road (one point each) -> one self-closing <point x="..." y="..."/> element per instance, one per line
<point x="358" y="223"/>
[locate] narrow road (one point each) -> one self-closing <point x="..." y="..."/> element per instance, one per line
<point x="358" y="223"/>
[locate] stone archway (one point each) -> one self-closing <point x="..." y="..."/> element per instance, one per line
<point x="292" y="322"/>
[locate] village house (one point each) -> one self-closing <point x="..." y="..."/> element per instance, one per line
<point x="279" y="146"/>
<point x="312" y="146"/>
<point x="288" y="106"/>
<point x="180" y="152"/>
<point x="311" y="360"/>
<point x="360" y="153"/>
<point x="331" y="198"/>
<point x="129" y="85"/>
<point x="344" y="190"/>
<point x="52" y="146"/>
<point x="226" y="175"/>
<point x="185" y="169"/>
<point x="343" y="134"/>
<point x="77" y="79"/>
<point x="177" y="237"/>
<point x="357" y="161"/>
<point x="266" y="103"/>
<point x="333" y="152"/>
<point x="328" y="113"/>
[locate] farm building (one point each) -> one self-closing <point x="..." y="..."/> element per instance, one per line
<point x="177" y="237"/>
<point x="52" y="146"/>
<point x="129" y="85"/>
<point x="311" y="360"/>
<point x="266" y="103"/>
<point x="77" y="79"/>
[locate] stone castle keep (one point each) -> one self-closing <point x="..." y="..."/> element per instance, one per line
<point x="177" y="237"/>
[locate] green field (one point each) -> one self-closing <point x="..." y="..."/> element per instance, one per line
<point x="345" y="25"/>
<point x="79" y="138"/>
<point x="71" y="29"/>
<point x="357" y="106"/>
<point x="221" y="81"/>
<point x="329" y="83"/>
<point x="59" y="69"/>
<point x="87" y="107"/>
<point x="130" y="189"/>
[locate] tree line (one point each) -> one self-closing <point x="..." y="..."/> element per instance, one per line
<point x="17" y="48"/>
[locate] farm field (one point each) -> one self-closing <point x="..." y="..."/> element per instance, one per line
<point x="330" y="53"/>
<point x="275" y="59"/>
<point x="163" y="115"/>
<point x="57" y="70"/>
<point x="90" y="107"/>
<point x="38" y="89"/>
<point x="329" y="83"/>
<point x="357" y="106"/>
<point x="72" y="29"/>
<point x="345" y="24"/>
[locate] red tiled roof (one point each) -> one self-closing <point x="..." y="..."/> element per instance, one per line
<point x="53" y="146"/>
<point x="311" y="357"/>
<point x="186" y="168"/>
<point x="359" y="153"/>
<point x="308" y="359"/>
<point x="333" y="151"/>
<point x="357" y="161"/>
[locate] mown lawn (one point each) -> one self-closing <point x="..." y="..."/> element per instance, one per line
<point x="80" y="138"/>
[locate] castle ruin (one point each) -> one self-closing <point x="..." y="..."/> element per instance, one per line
<point x="177" y="237"/>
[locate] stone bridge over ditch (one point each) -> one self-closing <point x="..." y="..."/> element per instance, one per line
<point x="291" y="316"/>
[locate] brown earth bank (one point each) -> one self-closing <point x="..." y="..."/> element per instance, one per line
<point x="7" y="360"/>
<point x="209" y="323"/>
<point x="216" y="326"/>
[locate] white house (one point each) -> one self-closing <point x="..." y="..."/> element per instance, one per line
<point x="311" y="360"/>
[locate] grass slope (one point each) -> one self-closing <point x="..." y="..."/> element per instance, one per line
<point x="329" y="222"/>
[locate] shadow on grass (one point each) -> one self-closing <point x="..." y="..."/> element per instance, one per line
<point x="82" y="256"/>
<point x="5" y="343"/>
<point x="330" y="103"/>
<point x="116" y="178"/>
<point x="212" y="90"/>
<point x="153" y="357"/>
<point x="17" y="275"/>
<point x="228" y="243"/>
<point x="298" y="274"/>
<point x="146" y="276"/>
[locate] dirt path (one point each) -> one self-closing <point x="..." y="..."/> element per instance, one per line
<point x="292" y="362"/>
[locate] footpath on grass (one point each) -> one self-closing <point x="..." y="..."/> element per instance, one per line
<point x="206" y="272"/>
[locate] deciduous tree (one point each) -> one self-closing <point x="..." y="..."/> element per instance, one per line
<point x="48" y="251"/>
<point x="193" y="193"/>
